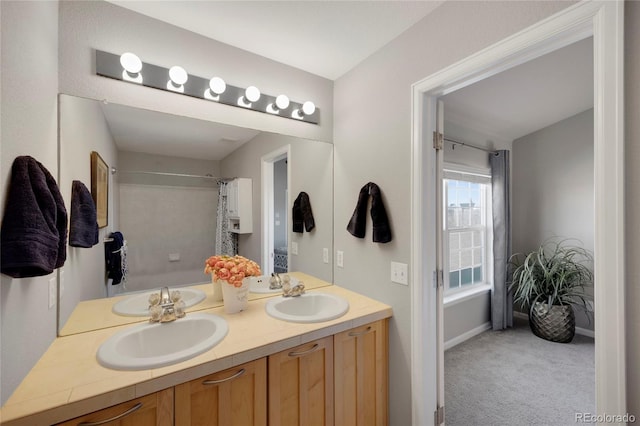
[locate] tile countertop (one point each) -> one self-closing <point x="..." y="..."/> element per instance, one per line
<point x="68" y="381"/>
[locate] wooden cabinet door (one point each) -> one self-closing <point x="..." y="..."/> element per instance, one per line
<point x="301" y="385"/>
<point x="361" y="375"/>
<point x="234" y="397"/>
<point x="155" y="409"/>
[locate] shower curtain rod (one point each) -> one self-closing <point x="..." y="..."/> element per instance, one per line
<point x="455" y="142"/>
<point x="220" y="179"/>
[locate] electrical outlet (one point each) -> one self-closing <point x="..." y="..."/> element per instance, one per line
<point x="174" y="257"/>
<point x="294" y="248"/>
<point x="52" y="292"/>
<point x="340" y="258"/>
<point x="399" y="273"/>
<point x="325" y="255"/>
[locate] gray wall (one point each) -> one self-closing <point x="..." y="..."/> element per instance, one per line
<point x="84" y="129"/>
<point x="466" y="315"/>
<point x="372" y="139"/>
<point x="552" y="188"/>
<point x="632" y="200"/>
<point x="29" y="108"/>
<point x="311" y="170"/>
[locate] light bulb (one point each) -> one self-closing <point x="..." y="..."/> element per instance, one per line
<point x="282" y="102"/>
<point x="217" y="85"/>
<point x="308" y="108"/>
<point x="178" y="75"/>
<point x="130" y="62"/>
<point x="252" y="93"/>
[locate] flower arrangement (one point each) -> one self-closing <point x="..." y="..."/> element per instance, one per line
<point x="232" y="269"/>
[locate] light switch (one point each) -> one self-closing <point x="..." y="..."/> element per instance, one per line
<point x="399" y="272"/>
<point x="174" y="257"/>
<point x="294" y="248"/>
<point x="340" y="258"/>
<point x="325" y="255"/>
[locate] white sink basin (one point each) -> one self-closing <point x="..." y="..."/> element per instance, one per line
<point x="155" y="345"/>
<point x="137" y="305"/>
<point x="309" y="307"/>
<point x="261" y="284"/>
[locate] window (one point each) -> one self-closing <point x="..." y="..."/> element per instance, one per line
<point x="467" y="230"/>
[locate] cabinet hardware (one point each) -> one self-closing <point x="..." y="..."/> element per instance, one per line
<point x="217" y="382"/>
<point x="119" y="416"/>
<point x="314" y="348"/>
<point x="359" y="333"/>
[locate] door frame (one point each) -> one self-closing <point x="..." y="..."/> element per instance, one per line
<point x="604" y="21"/>
<point x="267" y="208"/>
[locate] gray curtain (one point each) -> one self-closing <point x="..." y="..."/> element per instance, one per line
<point x="501" y="298"/>
<point x="226" y="242"/>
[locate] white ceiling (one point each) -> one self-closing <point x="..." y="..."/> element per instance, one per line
<point x="528" y="97"/>
<point x="153" y="132"/>
<point x="326" y="38"/>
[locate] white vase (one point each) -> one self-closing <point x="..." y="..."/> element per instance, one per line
<point x="235" y="298"/>
<point x="217" y="289"/>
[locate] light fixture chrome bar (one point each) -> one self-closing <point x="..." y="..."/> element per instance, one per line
<point x="455" y="142"/>
<point x="149" y="75"/>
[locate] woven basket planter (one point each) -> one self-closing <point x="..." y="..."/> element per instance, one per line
<point x="557" y="324"/>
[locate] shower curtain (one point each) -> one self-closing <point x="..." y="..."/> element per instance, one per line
<point x="501" y="297"/>
<point x="226" y="242"/>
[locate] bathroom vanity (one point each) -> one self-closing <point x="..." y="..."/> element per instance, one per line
<point x="265" y="371"/>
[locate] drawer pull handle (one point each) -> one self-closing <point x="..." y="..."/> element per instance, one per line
<point x="217" y="382"/>
<point x="119" y="416"/>
<point x="359" y="333"/>
<point x="314" y="348"/>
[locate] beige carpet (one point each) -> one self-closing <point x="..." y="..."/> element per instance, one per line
<point x="512" y="377"/>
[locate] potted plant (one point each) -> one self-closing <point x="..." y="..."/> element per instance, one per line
<point x="549" y="281"/>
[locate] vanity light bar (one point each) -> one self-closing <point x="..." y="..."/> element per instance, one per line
<point x="128" y="67"/>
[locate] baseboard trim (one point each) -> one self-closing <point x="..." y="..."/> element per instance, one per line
<point x="579" y="330"/>
<point x="467" y="335"/>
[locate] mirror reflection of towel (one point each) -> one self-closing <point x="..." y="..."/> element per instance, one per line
<point x="302" y="215"/>
<point x="115" y="255"/>
<point x="358" y="223"/>
<point x="83" y="228"/>
<point x="34" y="228"/>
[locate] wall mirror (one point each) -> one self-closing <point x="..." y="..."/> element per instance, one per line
<point x="164" y="182"/>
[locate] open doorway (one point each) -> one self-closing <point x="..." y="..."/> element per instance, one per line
<point x="540" y="115"/>
<point x="603" y="21"/>
<point x="275" y="217"/>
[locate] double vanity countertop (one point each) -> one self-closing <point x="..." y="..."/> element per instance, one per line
<point x="68" y="381"/>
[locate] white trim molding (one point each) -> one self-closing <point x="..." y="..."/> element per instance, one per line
<point x="604" y="21"/>
<point x="467" y="335"/>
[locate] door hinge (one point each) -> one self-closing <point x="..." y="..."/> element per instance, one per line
<point x="439" y="278"/>
<point x="438" y="416"/>
<point x="438" y="141"/>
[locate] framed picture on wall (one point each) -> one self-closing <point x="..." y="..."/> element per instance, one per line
<point x="100" y="188"/>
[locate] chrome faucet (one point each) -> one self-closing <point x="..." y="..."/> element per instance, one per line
<point x="167" y="307"/>
<point x="275" y="282"/>
<point x="295" y="291"/>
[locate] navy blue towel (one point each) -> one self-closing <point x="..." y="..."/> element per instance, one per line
<point x="34" y="227"/>
<point x="302" y="215"/>
<point x="357" y="224"/>
<point x="114" y="255"/>
<point x="83" y="228"/>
